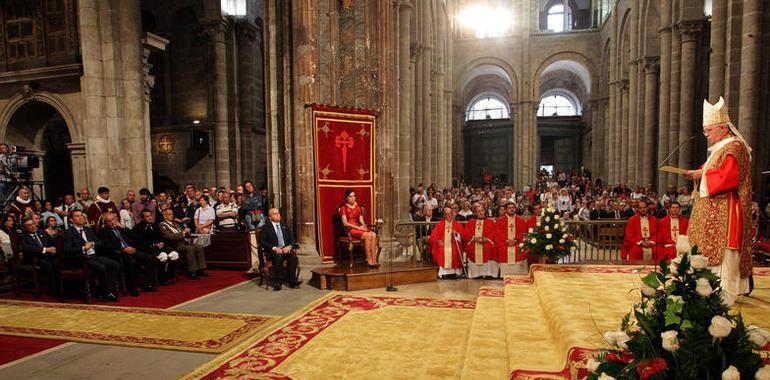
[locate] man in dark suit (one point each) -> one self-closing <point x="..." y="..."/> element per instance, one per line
<point x="36" y="244"/>
<point x="116" y="245"/>
<point x="81" y="242"/>
<point x="147" y="239"/>
<point x="279" y="245"/>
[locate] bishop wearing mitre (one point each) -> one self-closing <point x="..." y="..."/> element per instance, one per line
<point x="445" y="241"/>
<point x="675" y="225"/>
<point x="479" y="244"/>
<point x="509" y="233"/>
<point x="720" y="216"/>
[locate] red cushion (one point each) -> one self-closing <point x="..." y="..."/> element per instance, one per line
<point x="763" y="246"/>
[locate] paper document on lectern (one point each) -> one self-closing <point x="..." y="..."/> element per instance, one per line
<point x="671" y="169"/>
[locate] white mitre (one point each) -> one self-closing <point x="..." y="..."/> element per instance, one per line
<point x="714" y="114"/>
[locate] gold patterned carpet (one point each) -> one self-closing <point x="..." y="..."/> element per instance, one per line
<point x="355" y="337"/>
<point x="128" y="326"/>
<point x="544" y="325"/>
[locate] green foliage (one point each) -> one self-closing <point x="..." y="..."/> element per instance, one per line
<point x="678" y="306"/>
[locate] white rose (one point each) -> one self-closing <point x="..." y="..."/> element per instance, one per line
<point x="533" y="241"/>
<point x="610" y="338"/>
<point x="547" y="219"/>
<point x="561" y="241"/>
<point x="731" y="373"/>
<point x="758" y="336"/>
<point x="670" y="340"/>
<point x="720" y="327"/>
<point x="551" y="209"/>
<point x="605" y="376"/>
<point x="538" y="224"/>
<point x="674" y="267"/>
<point x="728" y="299"/>
<point x="593" y="365"/>
<point x="556" y="217"/>
<point x="573" y="248"/>
<point x="763" y="373"/>
<point x="548" y="247"/>
<point x="676" y="299"/>
<point x="521" y="245"/>
<point x="564" y="229"/>
<point x="548" y="236"/>
<point x="699" y="261"/>
<point x="547" y="228"/>
<point x="617" y="338"/>
<point x="647" y="290"/>
<point x="531" y="230"/>
<point x="703" y="287"/>
<point x="683" y="244"/>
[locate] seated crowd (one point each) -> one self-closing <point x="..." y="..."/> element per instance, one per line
<point x="493" y="219"/>
<point x="119" y="241"/>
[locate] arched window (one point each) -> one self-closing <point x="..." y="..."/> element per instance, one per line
<point x="556" y="18"/>
<point x="557" y="104"/>
<point x="487" y="108"/>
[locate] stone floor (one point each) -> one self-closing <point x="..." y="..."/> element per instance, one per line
<point x="92" y="361"/>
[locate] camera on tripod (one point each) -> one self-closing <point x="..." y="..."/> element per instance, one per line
<point x="21" y="162"/>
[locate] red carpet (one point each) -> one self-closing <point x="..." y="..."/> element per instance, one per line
<point x="13" y="348"/>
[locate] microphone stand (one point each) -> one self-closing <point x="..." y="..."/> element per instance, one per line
<point x="463" y="258"/>
<point x="390" y="287"/>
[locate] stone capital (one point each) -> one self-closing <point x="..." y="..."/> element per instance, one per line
<point x="651" y="64"/>
<point x="216" y="29"/>
<point x="404" y="5"/>
<point x="246" y="30"/>
<point x="77" y="149"/>
<point x="690" y="30"/>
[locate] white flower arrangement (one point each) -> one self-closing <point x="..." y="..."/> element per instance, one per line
<point x="703" y="287"/>
<point x="699" y="261"/>
<point x="647" y="290"/>
<point x="758" y="336"/>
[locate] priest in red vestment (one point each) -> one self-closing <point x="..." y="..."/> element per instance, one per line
<point x="722" y="199"/>
<point x="445" y="241"/>
<point x="639" y="240"/>
<point x="102" y="206"/>
<point x="509" y="232"/>
<point x="675" y="225"/>
<point x="478" y="243"/>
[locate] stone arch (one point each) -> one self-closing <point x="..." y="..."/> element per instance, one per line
<point x="52" y="99"/>
<point x="486" y="66"/>
<point x="649" y="29"/>
<point x="572" y="61"/>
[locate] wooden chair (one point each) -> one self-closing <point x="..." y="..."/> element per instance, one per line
<point x="610" y="237"/>
<point x="346" y="241"/>
<point x="266" y="268"/>
<point x="25" y="271"/>
<point x="77" y="270"/>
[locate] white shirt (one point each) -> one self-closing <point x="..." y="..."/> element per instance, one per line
<point x="126" y="219"/>
<point x="204" y="215"/>
<point x="224" y="209"/>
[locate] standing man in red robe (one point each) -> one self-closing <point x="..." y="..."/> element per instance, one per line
<point x="445" y="241"/>
<point x="639" y="240"/>
<point x="103" y="205"/>
<point x="675" y="225"/>
<point x="509" y="232"/>
<point x="478" y="240"/>
<point x="722" y="200"/>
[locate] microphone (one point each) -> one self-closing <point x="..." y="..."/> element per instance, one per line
<point x="676" y="149"/>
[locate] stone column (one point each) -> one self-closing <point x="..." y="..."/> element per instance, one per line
<point x="247" y="84"/>
<point x="625" y="174"/>
<point x="651" y="93"/>
<point x="632" y="130"/>
<point x="79" y="167"/>
<point x="419" y="108"/>
<point x="404" y="137"/>
<point x="751" y="53"/>
<point x="690" y="33"/>
<point x="440" y="150"/>
<point x="304" y="47"/>
<point x="674" y="97"/>
<point x="150" y="42"/>
<point x="612" y="120"/>
<point x="216" y="31"/>
<point x="665" y="88"/>
<point x="425" y="125"/>
<point x="717" y="57"/>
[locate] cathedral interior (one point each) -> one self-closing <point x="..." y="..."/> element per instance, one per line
<point x="160" y="94"/>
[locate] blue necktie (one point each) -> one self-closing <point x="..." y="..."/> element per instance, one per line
<point x="123" y="243"/>
<point x="279" y="234"/>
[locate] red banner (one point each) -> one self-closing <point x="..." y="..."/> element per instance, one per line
<point x="344" y="142"/>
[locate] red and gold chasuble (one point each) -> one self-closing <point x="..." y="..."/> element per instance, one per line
<point x="447" y="254"/>
<point x="479" y="253"/>
<point x="509" y="228"/>
<point x="718" y="220"/>
<point x="98" y="209"/>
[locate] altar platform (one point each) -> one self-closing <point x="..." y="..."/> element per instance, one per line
<point x="360" y="276"/>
